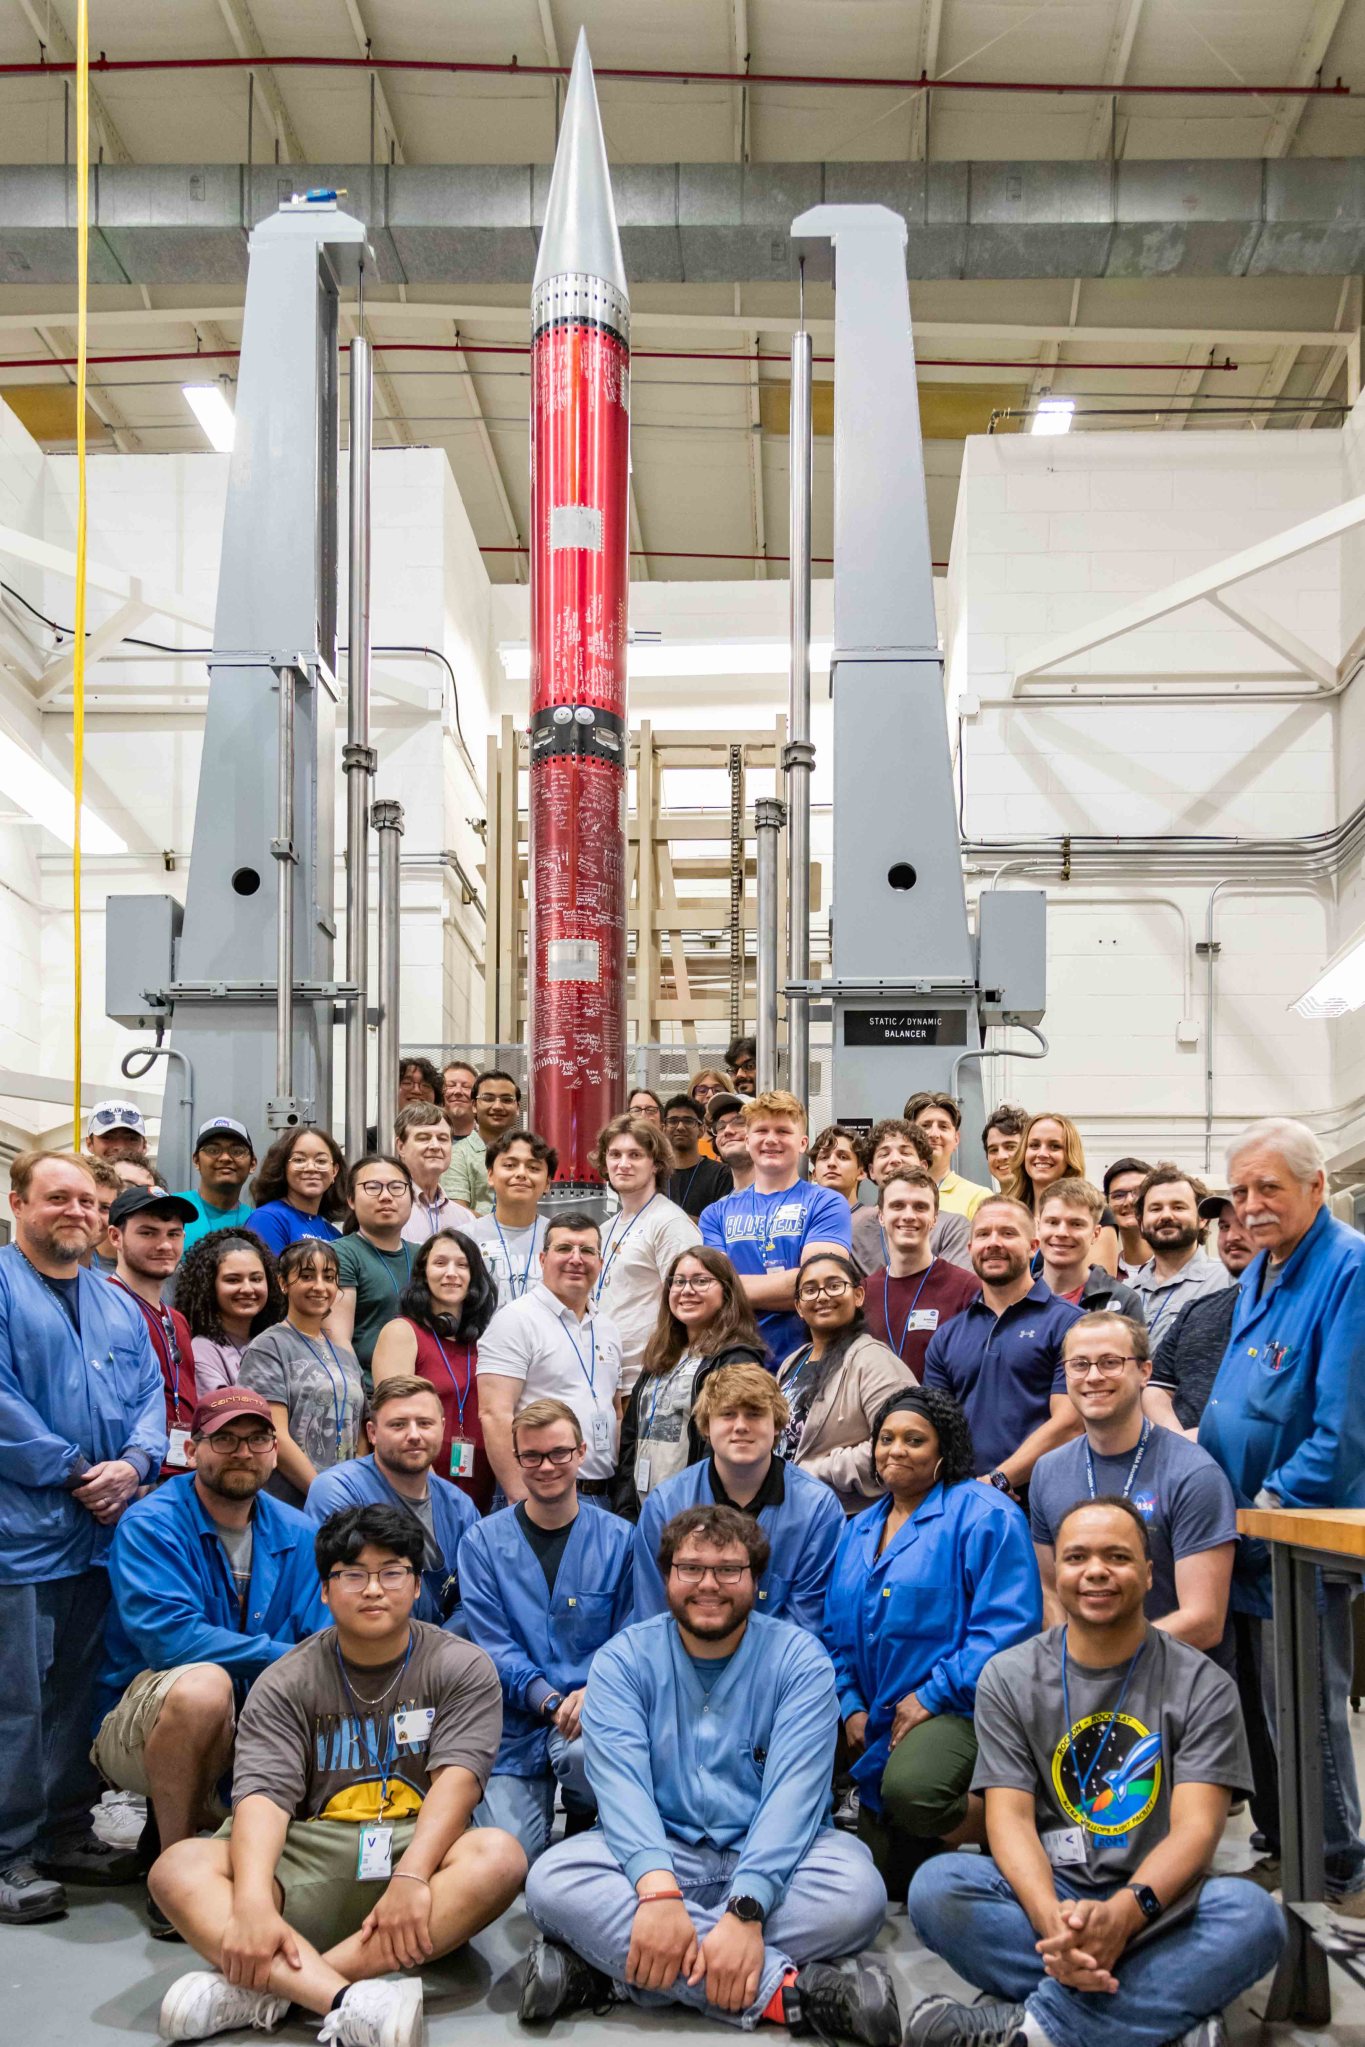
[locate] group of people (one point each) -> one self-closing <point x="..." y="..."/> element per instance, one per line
<point x="717" y="1573"/>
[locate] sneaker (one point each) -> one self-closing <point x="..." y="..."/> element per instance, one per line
<point x="556" y="1980"/>
<point x="85" y="1859"/>
<point x="852" y="1999"/>
<point x="385" y="2012"/>
<point x="203" y="2003"/>
<point x="26" y="1896"/>
<point x="1208" y="2033"/>
<point x="158" y="1925"/>
<point x="1346" y="1904"/>
<point x="1264" y="1872"/>
<point x="118" y="1818"/>
<point x="1260" y="1842"/>
<point x="943" y="2022"/>
<point x="846" y="1811"/>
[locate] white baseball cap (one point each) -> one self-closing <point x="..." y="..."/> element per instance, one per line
<point x="114" y="1116"/>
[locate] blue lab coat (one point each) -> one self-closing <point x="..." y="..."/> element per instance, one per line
<point x="173" y="1600"/>
<point x="358" y="1482"/>
<point x="957" y="1583"/>
<point x="1287" y="1409"/>
<point x="803" y="1534"/>
<point x="744" y="1766"/>
<point x="63" y="1397"/>
<point x="542" y="1644"/>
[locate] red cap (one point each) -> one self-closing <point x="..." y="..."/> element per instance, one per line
<point x="224" y="1404"/>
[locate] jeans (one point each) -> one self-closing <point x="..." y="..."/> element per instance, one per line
<point x="1344" y="1849"/>
<point x="525" y="1806"/>
<point x="834" y="1905"/>
<point x="962" y="1907"/>
<point x="51" y="1649"/>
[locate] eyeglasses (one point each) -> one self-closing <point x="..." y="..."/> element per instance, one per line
<point x="724" y="1574"/>
<point x="392" y="1578"/>
<point x="833" y="1289"/>
<point x="374" y="1188"/>
<point x="1108" y="1367"/>
<point x="224" y="1148"/>
<point x="257" y="1443"/>
<point x="558" y="1457"/>
<point x="690" y="1283"/>
<point x="487" y="1101"/>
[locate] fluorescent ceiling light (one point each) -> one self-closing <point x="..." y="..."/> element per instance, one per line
<point x="1053" y="416"/>
<point x="687" y="658"/>
<point x="1340" y="986"/>
<point x="214" y="414"/>
<point x="28" y="785"/>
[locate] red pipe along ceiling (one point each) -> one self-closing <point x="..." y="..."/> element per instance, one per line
<point x="925" y="362"/>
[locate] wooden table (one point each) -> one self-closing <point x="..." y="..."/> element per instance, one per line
<point x="1304" y="1541"/>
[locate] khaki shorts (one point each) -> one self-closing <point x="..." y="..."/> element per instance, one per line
<point x="125" y="1728"/>
<point x="324" y="1900"/>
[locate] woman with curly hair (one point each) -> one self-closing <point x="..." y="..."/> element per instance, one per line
<point x="928" y="1585"/>
<point x="228" y="1290"/>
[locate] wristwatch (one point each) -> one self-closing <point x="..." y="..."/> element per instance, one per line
<point x="1150" y="1904"/>
<point x="1000" y="1482"/>
<point x="747" y="1910"/>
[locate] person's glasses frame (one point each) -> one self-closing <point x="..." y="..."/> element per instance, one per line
<point x="352" y="1578"/>
<point x="1111" y="1366"/>
<point x="832" y="1289"/>
<point x="695" y="1574"/>
<point x="259" y="1444"/>
<point x="558" y="1457"/>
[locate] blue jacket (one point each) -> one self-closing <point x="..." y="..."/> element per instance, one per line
<point x="172" y="1598"/>
<point x="358" y="1482"/>
<point x="803" y="1534"/>
<point x="65" y="1397"/>
<point x="542" y="1644"/>
<point x="957" y="1583"/>
<point x="746" y="1766"/>
<point x="1287" y="1409"/>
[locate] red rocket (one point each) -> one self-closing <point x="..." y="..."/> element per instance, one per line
<point x="580" y="455"/>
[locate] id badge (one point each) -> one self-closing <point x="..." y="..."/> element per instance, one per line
<point x="642" y="1475"/>
<point x="1064" y="1847"/>
<point x="601" y="1432"/>
<point x="923" y="1319"/>
<point x="374" y="1857"/>
<point x="178" y="1449"/>
<point x="461" y="1458"/>
<point x="412" y="1725"/>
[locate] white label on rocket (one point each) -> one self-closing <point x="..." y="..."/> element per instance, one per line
<point x="573" y="959"/>
<point x="576" y="526"/>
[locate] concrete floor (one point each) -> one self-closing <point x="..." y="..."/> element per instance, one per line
<point x="96" y="1977"/>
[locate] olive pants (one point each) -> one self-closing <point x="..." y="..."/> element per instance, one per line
<point x="923" y="1796"/>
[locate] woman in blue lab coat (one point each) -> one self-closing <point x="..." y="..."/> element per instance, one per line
<point x="928" y="1585"/>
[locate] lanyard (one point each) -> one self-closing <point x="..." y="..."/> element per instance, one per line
<point x="384" y="1256"/>
<point x="518" y="1286"/>
<point x="682" y="1198"/>
<point x="1140" y="1453"/>
<point x="661" y="1385"/>
<point x="432" y="1210"/>
<point x="391" y="1746"/>
<point x="1083" y="1781"/>
<point x="338" y="1402"/>
<point x="166" y="1322"/>
<point x="589" y="1371"/>
<point x="612" y="1249"/>
<point x="460" y="1398"/>
<point x="886" y="1303"/>
<point x="771" y="1204"/>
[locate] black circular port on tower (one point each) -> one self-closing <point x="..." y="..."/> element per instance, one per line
<point x="246" y="881"/>
<point x="902" y="876"/>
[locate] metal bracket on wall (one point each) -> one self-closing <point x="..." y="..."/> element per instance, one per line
<point x="256" y="991"/>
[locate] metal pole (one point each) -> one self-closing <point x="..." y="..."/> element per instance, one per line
<point x="282" y="846"/>
<point x="799" y="755"/>
<point x="387" y="819"/>
<point x="769" y="817"/>
<point x="358" y="756"/>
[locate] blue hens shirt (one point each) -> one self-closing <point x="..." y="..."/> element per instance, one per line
<point x="1002" y="1370"/>
<point x="768" y="1233"/>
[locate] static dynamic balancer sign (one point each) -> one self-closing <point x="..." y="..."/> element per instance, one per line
<point x="905" y="1026"/>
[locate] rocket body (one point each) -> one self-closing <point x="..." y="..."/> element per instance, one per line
<point x="580" y="451"/>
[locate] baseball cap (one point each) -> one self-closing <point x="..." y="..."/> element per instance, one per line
<point x="114" y="1115"/>
<point x="223" y="1126"/>
<point x="134" y="1200"/>
<point x="1213" y="1204"/>
<point x="227" y="1403"/>
<point x="724" y="1105"/>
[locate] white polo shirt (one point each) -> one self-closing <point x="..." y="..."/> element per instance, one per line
<point x="636" y="1254"/>
<point x="538" y="1341"/>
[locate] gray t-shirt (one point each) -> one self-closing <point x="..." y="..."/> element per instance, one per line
<point x="315" y="1748"/>
<point x="950" y="1238"/>
<point x="1180" y="1724"/>
<point x="238" y="1545"/>
<point x="426" y="1514"/>
<point x="318" y="1384"/>
<point x="1180" y="1492"/>
<point x="661" y="1446"/>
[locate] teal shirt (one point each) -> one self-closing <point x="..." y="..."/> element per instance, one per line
<point x="211" y="1218"/>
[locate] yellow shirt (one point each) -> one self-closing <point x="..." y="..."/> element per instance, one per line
<point x="959" y="1196"/>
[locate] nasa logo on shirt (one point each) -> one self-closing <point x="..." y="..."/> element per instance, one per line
<point x="1146" y="1504"/>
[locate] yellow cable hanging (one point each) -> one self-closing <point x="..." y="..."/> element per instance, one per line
<point x="78" y="649"/>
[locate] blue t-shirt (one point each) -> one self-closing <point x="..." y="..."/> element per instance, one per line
<point x="211" y="1218"/>
<point x="280" y="1223"/>
<point x="1177" y="1488"/>
<point x="1002" y="1370"/>
<point x="768" y="1233"/>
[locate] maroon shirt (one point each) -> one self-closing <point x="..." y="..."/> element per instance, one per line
<point x="452" y="1370"/>
<point x="943" y="1290"/>
<point x="171" y="1340"/>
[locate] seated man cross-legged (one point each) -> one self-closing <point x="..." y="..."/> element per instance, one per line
<point x="714" y="1880"/>
<point x="1108" y="1752"/>
<point x="361" y="1756"/>
<point x="546" y="1583"/>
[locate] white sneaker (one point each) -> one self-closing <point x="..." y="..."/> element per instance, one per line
<point x="386" y="2012"/>
<point x="203" y="2003"/>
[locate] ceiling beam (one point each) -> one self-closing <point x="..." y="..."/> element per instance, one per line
<point x="739" y="21"/>
<point x="47" y="27"/>
<point x="930" y="33"/>
<point x="383" y="111"/>
<point x="60" y="341"/>
<point x="490" y="457"/>
<point x="760" y="515"/>
<point x="1102" y="139"/>
<point x="246" y="40"/>
<point x="1312" y="53"/>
